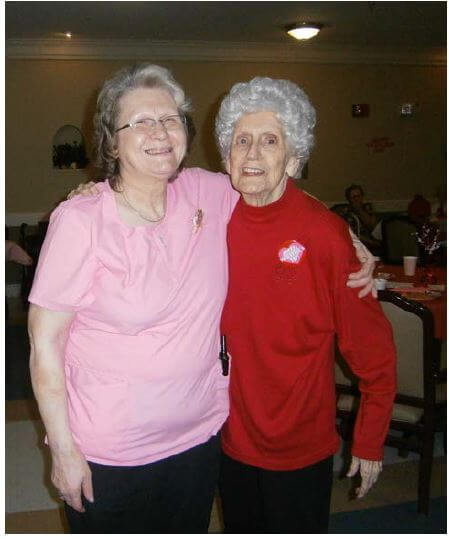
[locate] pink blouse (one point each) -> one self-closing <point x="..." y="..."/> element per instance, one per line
<point x="142" y="371"/>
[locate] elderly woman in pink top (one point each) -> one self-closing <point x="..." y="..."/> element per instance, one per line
<point x="124" y="322"/>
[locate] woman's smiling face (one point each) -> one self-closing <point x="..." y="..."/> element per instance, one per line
<point x="259" y="162"/>
<point x="150" y="153"/>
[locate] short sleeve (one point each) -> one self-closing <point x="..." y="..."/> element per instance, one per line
<point x="67" y="265"/>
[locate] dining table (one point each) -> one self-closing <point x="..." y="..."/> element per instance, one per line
<point x="432" y="295"/>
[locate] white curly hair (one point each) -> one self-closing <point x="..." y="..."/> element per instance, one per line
<point x="283" y="97"/>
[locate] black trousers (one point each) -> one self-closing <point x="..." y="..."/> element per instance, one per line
<point x="255" y="500"/>
<point x="173" y="495"/>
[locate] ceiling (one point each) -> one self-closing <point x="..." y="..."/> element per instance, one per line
<point x="388" y="24"/>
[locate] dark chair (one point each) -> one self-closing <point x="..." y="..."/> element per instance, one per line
<point x="398" y="239"/>
<point x="441" y="390"/>
<point x="416" y="407"/>
<point x="6" y="298"/>
<point x="32" y="243"/>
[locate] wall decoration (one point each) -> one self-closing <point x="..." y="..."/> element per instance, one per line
<point x="380" y="144"/>
<point x="360" y="110"/>
<point x="407" y="109"/>
<point x="68" y="148"/>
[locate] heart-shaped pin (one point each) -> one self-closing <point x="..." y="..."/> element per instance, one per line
<point x="292" y="253"/>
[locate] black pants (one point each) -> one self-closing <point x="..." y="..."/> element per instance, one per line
<point x="173" y="495"/>
<point x="255" y="500"/>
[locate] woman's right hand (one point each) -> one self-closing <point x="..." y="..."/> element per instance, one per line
<point x="71" y="475"/>
<point x="48" y="332"/>
<point x="86" y="189"/>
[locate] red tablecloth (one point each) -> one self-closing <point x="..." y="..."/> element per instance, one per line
<point x="437" y="305"/>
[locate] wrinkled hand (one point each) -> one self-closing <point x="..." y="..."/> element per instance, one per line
<point x="86" y="189"/>
<point x="369" y="472"/>
<point x="71" y="475"/>
<point x="363" y="277"/>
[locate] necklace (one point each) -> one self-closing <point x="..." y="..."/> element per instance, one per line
<point x="138" y="212"/>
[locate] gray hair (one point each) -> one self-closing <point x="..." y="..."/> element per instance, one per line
<point x="107" y="111"/>
<point x="287" y="100"/>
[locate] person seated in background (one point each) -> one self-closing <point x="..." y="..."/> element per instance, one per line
<point x="419" y="210"/>
<point x="361" y="218"/>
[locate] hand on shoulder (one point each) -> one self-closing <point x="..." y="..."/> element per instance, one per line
<point x="86" y="189"/>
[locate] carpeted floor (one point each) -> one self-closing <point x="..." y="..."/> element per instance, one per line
<point x="398" y="518"/>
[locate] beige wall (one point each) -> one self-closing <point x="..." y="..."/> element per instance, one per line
<point x="43" y="95"/>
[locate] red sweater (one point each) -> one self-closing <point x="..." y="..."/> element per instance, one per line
<point x="289" y="262"/>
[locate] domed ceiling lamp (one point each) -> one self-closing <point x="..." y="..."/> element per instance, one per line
<point x="303" y="30"/>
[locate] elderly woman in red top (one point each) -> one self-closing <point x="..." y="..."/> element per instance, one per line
<point x="289" y="258"/>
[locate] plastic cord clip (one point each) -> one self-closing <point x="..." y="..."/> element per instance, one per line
<point x="224" y="358"/>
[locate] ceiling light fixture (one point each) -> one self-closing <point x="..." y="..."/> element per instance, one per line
<point x="303" y="30"/>
<point x="68" y="34"/>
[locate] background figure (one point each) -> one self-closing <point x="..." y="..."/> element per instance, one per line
<point x="15" y="253"/>
<point x="361" y="217"/>
<point x="419" y="210"/>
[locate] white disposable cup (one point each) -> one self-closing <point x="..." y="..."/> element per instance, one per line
<point x="380" y="284"/>
<point x="410" y="265"/>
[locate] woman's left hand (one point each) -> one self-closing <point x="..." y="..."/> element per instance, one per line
<point x="363" y="277"/>
<point x="369" y="472"/>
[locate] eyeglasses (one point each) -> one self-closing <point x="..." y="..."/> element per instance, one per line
<point x="169" y="123"/>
